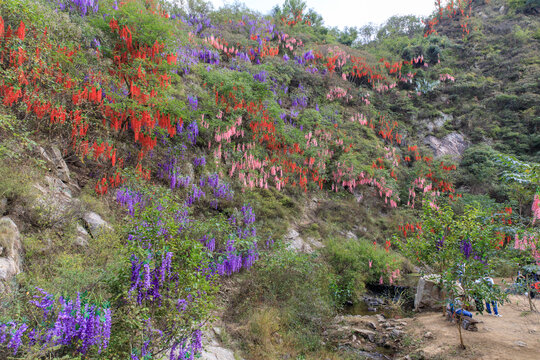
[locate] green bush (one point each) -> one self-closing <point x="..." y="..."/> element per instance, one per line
<point x="350" y="261"/>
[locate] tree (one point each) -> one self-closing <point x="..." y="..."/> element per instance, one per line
<point x="458" y="248"/>
<point x="367" y="33"/>
<point x="348" y="36"/>
<point x="408" y="25"/>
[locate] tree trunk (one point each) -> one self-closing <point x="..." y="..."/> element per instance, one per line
<point x="458" y="321"/>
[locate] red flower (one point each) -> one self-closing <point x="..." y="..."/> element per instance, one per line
<point x="20" y="31"/>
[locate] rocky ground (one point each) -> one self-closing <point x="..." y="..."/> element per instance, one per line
<point x="515" y="335"/>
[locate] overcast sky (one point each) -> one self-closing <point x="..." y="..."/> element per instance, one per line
<point x="343" y="13"/>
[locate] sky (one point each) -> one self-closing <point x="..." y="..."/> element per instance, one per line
<point x="350" y="13"/>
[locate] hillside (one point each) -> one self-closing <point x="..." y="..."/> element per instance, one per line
<point x="177" y="180"/>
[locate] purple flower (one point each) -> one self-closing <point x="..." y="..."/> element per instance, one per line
<point x="466" y="247"/>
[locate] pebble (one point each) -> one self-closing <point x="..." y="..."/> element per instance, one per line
<point x="429" y="335"/>
<point x="521" y="344"/>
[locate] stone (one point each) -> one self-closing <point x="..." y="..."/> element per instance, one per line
<point x="217" y="353"/>
<point x="380" y="318"/>
<point x="439" y="122"/>
<point x="521" y="344"/>
<point x="95" y="223"/>
<point x="3" y="206"/>
<point x="315" y="243"/>
<point x="10" y="250"/>
<point x="397" y="333"/>
<point x="429" y="296"/>
<point x="453" y="144"/>
<point x="296" y="243"/>
<point x="82" y="236"/>
<point x="429" y="335"/>
<point x="54" y="205"/>
<point x="62" y="170"/>
<point x="55" y="158"/>
<point x="366" y="334"/>
<point x="371" y="325"/>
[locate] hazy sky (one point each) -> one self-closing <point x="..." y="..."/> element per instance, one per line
<point x="343" y="13"/>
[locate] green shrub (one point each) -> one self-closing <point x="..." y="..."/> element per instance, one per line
<point x="350" y="261"/>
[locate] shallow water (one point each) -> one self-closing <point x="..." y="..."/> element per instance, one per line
<point x="361" y="308"/>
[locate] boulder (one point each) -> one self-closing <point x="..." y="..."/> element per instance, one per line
<point x="296" y="243"/>
<point x="55" y="158"/>
<point x="429" y="295"/>
<point x="54" y="205"/>
<point x="95" y="223"/>
<point x="3" y="206"/>
<point x="10" y="251"/>
<point x="217" y="353"/>
<point x="453" y="144"/>
<point x="82" y="236"/>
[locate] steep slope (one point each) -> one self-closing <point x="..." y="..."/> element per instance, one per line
<point x="203" y="138"/>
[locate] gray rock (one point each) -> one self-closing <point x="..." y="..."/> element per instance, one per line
<point x="296" y="243"/>
<point x="55" y="158"/>
<point x="371" y="325"/>
<point x="82" y="236"/>
<point x="10" y="250"/>
<point x="453" y="144"/>
<point x="3" y="206"/>
<point x="429" y="335"/>
<point x="397" y="333"/>
<point x="366" y="334"/>
<point x="217" y="353"/>
<point x="521" y="344"/>
<point x="429" y="296"/>
<point x="439" y="122"/>
<point x="95" y="223"/>
<point x="54" y="205"/>
<point x="62" y="171"/>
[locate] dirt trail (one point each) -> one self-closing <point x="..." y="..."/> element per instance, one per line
<point x="514" y="336"/>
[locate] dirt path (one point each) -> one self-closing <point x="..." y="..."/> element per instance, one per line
<point x="515" y="336"/>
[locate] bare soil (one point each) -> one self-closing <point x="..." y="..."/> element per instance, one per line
<point x="514" y="336"/>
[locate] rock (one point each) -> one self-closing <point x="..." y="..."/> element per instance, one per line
<point x="10" y="250"/>
<point x="439" y="122"/>
<point x="351" y="235"/>
<point x="82" y="236"/>
<point x="371" y="325"/>
<point x="95" y="223"/>
<point x="54" y="205"/>
<point x="397" y="333"/>
<point x="502" y="10"/>
<point x="217" y="353"/>
<point x="315" y="243"/>
<point x="428" y="335"/>
<point x="62" y="171"/>
<point x="521" y="344"/>
<point x="429" y="296"/>
<point x="366" y="334"/>
<point x="54" y="156"/>
<point x="372" y="309"/>
<point x="3" y="206"/>
<point x="296" y="243"/>
<point x="453" y="144"/>
<point x="380" y="318"/>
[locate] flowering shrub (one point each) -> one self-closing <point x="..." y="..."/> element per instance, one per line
<point x="73" y="324"/>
